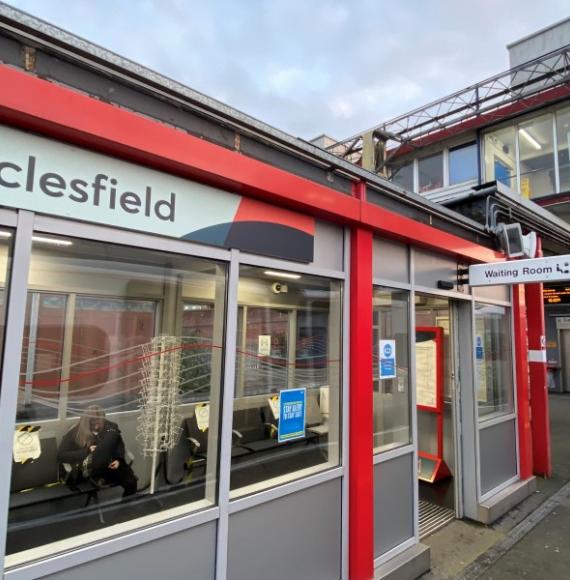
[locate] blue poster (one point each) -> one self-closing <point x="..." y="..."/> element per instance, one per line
<point x="387" y="359"/>
<point x="291" y="414"/>
<point x="479" y="350"/>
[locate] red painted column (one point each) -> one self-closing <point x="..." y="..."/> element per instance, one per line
<point x="361" y="494"/>
<point x="522" y="381"/>
<point x="538" y="378"/>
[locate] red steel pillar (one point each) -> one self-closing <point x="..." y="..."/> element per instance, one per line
<point x="522" y="381"/>
<point x="361" y="494"/>
<point x="538" y="378"/>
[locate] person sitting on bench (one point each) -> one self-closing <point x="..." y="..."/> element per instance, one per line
<point x="95" y="450"/>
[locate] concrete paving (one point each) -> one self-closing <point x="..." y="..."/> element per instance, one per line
<point x="531" y="541"/>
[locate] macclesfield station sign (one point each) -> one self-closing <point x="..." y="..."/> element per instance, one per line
<point x="552" y="269"/>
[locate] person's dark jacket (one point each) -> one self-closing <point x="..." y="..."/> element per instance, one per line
<point x="109" y="446"/>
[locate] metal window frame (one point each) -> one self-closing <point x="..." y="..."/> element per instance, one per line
<point x="28" y="222"/>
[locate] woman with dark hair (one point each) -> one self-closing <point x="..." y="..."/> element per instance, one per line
<point x="95" y="449"/>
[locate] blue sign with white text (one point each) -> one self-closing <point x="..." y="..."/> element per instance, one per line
<point x="291" y="414"/>
<point x="387" y="359"/>
<point x="479" y="350"/>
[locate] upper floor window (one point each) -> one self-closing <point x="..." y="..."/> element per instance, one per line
<point x="430" y="172"/>
<point x="404" y="176"/>
<point x="531" y="157"/>
<point x="463" y="163"/>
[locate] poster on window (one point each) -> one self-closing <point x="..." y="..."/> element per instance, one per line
<point x="264" y="345"/>
<point x="26" y="445"/>
<point x="387" y="351"/>
<point x="426" y="373"/>
<point x="292" y="407"/>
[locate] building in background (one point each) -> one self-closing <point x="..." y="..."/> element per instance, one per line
<point x="504" y="141"/>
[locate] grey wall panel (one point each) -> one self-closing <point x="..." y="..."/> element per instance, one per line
<point x="390" y="260"/>
<point x="430" y="268"/>
<point x="296" y="536"/>
<point x="498" y="451"/>
<point x="493" y="292"/>
<point x="329" y="244"/>
<point x="186" y="555"/>
<point x="393" y="503"/>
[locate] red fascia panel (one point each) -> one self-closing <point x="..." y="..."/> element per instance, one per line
<point x="58" y="112"/>
<point x="411" y="231"/>
<point x="39" y="105"/>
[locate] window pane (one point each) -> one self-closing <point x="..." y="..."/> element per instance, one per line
<point x="463" y="164"/>
<point x="536" y="157"/>
<point x="122" y="353"/>
<point x="563" y="137"/>
<point x="430" y="172"/>
<point x="288" y="363"/>
<point x="404" y="176"/>
<point x="391" y="377"/>
<point x="500" y="157"/>
<point x="494" y="369"/>
<point x="5" y="264"/>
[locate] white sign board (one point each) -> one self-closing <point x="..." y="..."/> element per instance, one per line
<point x="553" y="269"/>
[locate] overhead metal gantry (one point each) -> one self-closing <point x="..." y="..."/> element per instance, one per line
<point x="524" y="87"/>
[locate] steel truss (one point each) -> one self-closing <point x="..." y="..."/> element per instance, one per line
<point x="525" y="85"/>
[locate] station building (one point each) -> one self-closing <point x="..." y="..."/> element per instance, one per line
<point x="505" y="139"/>
<point x="228" y="353"/>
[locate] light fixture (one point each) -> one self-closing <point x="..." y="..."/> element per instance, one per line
<point x="282" y="274"/>
<point x="530" y="139"/>
<point x="5" y="234"/>
<point x="52" y="241"/>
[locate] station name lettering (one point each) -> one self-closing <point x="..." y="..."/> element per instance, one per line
<point x="102" y="191"/>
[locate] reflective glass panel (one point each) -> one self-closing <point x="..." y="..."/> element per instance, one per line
<point x="537" y="177"/>
<point x="500" y="157"/>
<point x="117" y="421"/>
<point x="286" y="414"/>
<point x="463" y="164"/>
<point x="404" y="176"/>
<point x="493" y="356"/>
<point x="430" y="171"/>
<point x="390" y="347"/>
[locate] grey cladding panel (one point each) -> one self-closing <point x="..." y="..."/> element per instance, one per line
<point x="296" y="536"/>
<point x="188" y="554"/>
<point x="10" y="51"/>
<point x="393" y="503"/>
<point x="390" y="260"/>
<point x="498" y="455"/>
<point x="329" y="244"/>
<point x="493" y="292"/>
<point x="430" y="268"/>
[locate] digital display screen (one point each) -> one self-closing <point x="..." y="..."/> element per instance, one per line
<point x="556" y="295"/>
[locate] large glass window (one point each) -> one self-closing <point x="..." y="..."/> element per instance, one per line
<point x="500" y="157"/>
<point x="536" y="149"/>
<point x="463" y="164"/>
<point x="288" y="374"/>
<point x="404" y="176"/>
<point x="430" y="172"/>
<point x="5" y="263"/>
<point x="563" y="146"/>
<point x="391" y="368"/>
<point x="117" y="421"/>
<point x="493" y="355"/>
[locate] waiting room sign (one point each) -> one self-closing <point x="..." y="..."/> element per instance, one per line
<point x="552" y="269"/>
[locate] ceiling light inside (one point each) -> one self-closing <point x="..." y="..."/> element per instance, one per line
<point x="530" y="139"/>
<point x="52" y="241"/>
<point x="286" y="275"/>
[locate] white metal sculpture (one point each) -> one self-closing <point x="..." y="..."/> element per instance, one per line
<point x="158" y="428"/>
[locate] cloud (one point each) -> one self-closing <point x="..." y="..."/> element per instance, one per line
<point x="310" y="66"/>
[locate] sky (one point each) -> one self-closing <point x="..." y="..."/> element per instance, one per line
<point x="310" y="66"/>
